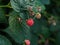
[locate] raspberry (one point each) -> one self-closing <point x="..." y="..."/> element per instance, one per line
<point x="38" y="15"/>
<point x="31" y="13"/>
<point x="30" y="22"/>
<point x="27" y="42"/>
<point x="39" y="9"/>
<point x="30" y="8"/>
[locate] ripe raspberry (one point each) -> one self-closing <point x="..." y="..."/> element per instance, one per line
<point x="27" y="42"/>
<point x="30" y="22"/>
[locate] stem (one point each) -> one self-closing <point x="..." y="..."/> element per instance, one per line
<point x="47" y="42"/>
<point x="5" y="6"/>
<point x="8" y="3"/>
<point x="9" y="6"/>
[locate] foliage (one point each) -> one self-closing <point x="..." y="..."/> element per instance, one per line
<point x="45" y="31"/>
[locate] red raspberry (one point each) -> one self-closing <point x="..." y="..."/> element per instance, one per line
<point x="27" y="42"/>
<point x="30" y="22"/>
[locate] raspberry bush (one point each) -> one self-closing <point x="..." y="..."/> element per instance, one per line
<point x="29" y="22"/>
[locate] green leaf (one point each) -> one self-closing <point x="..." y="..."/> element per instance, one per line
<point x="18" y="31"/>
<point x="37" y="25"/>
<point x="17" y="35"/>
<point x="0" y="1"/>
<point x="57" y="36"/>
<point x="40" y="27"/>
<point x="54" y="28"/>
<point x="4" y="41"/>
<point x="38" y="4"/>
<point x="42" y="40"/>
<point x="57" y="2"/>
<point x="45" y="2"/>
<point x="45" y="32"/>
<point x="15" y="5"/>
<point x="20" y="5"/>
<point x="36" y="31"/>
<point x="34" y="40"/>
<point x="15" y="30"/>
<point x="57" y="39"/>
<point x="2" y="16"/>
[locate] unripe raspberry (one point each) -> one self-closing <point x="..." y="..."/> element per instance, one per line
<point x="38" y="15"/>
<point x="30" y="22"/>
<point x="39" y="9"/>
<point x="19" y="19"/>
<point x="30" y="8"/>
<point x="27" y="42"/>
<point x="54" y="22"/>
<point x="49" y="22"/>
<point x="32" y="13"/>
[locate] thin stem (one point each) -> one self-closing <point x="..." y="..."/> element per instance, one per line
<point x="5" y="6"/>
<point x="8" y="3"/>
<point x="9" y="6"/>
<point x="47" y="42"/>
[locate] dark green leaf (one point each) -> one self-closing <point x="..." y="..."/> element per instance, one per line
<point x="4" y="41"/>
<point x="15" y="5"/>
<point x="45" y="1"/>
<point x="19" y="5"/>
<point x="2" y="16"/>
<point x="57" y="39"/>
<point x="18" y="31"/>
